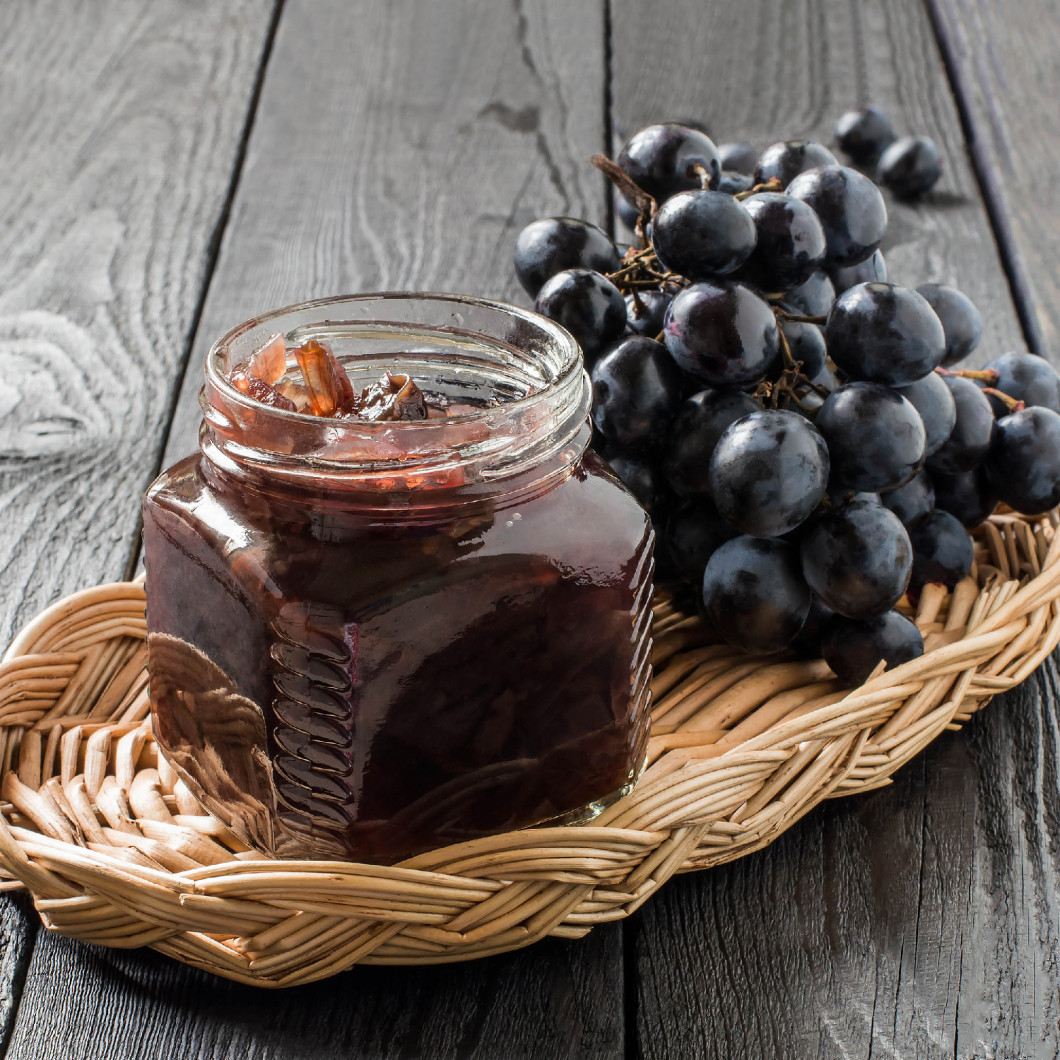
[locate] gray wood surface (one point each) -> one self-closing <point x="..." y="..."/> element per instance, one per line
<point x="410" y="156"/>
<point x="120" y="126"/>
<point x="1005" y="60"/>
<point x="920" y="921"/>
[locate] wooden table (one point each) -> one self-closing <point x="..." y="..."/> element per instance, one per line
<point x="168" y="169"/>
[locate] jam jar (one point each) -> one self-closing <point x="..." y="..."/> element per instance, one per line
<point x="371" y="639"/>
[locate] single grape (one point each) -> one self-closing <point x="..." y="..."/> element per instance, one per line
<point x="942" y="550"/>
<point x="588" y="305"/>
<point x="700" y="422"/>
<point x="884" y="333"/>
<point x="636" y="391"/>
<point x="806" y="342"/>
<point x="785" y="161"/>
<point x="872" y="270"/>
<point x="969" y="441"/>
<point x="754" y="593"/>
<point x="912" y="500"/>
<point x="853" y="649"/>
<point x="628" y="214"/>
<point x="733" y="183"/>
<point x="910" y="166"/>
<point x="553" y="244"/>
<point x="931" y="397"/>
<point x="1032" y="380"/>
<point x="864" y="134"/>
<point x="857" y="559"/>
<point x="790" y="242"/>
<point x="640" y="476"/>
<point x="702" y="234"/>
<point x="813" y="298"/>
<point x="693" y="533"/>
<point x="967" y="496"/>
<point x="738" y="157"/>
<point x="722" y="334"/>
<point x="850" y="207"/>
<point x="961" y="322"/>
<point x="769" y="472"/>
<point x="1023" y="465"/>
<point x="807" y="642"/>
<point x="665" y="159"/>
<point x="645" y="311"/>
<point x="875" y="437"/>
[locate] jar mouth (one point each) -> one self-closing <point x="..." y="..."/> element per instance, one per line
<point x="516" y="380"/>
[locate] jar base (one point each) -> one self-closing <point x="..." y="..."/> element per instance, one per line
<point x="589" y="812"/>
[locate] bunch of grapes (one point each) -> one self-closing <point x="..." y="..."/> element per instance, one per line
<point x="793" y="422"/>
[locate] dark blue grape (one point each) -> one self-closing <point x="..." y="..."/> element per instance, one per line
<point x="1023" y="465"/>
<point x="636" y="391"/>
<point x="663" y="159"/>
<point x="700" y="422"/>
<point x="806" y="342"/>
<point x="961" y="322"/>
<point x="864" y="134"/>
<point x="872" y="270"/>
<point x="931" y="397"/>
<point x="553" y="244"/>
<point x="942" y="550"/>
<point x="693" y="533"/>
<point x="967" y="496"/>
<point x="640" y="476"/>
<point x="628" y="214"/>
<point x="853" y="649"/>
<point x="645" y="311"/>
<point x="790" y="242"/>
<point x="754" y="594"/>
<point x="769" y="472"/>
<point x="738" y="157"/>
<point x="857" y="559"/>
<point x="813" y="298"/>
<point x="785" y="161"/>
<point x="850" y="207"/>
<point x="884" y="333"/>
<point x="1027" y="378"/>
<point x="588" y="305"/>
<point x="734" y="183"/>
<point x="910" y="166"/>
<point x="914" y="499"/>
<point x="702" y="234"/>
<point x="722" y="334"/>
<point x="807" y="642"/>
<point x="875" y="437"/>
<point x="969" y="441"/>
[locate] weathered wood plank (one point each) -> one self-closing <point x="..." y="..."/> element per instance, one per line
<point x="1005" y="65"/>
<point x="120" y="125"/>
<point x="395" y="145"/>
<point x="910" y="922"/>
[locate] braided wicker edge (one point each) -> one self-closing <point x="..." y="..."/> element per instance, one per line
<point x="115" y="850"/>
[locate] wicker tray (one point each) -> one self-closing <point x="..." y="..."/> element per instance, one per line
<point x="115" y="850"/>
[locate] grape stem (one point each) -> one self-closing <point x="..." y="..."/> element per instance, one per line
<point x="633" y="192"/>
<point x="1009" y="402"/>
<point x="980" y="375"/>
<point x="703" y="173"/>
<point x="773" y="184"/>
<point x="799" y="318"/>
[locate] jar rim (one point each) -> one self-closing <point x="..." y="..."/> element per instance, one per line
<point x="215" y="375"/>
<point x="463" y="340"/>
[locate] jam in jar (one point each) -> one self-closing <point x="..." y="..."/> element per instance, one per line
<point x="370" y="639"/>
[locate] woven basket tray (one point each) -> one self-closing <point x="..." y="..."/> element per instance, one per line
<point x="116" y="851"/>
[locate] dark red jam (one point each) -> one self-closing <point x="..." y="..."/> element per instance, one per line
<point x="367" y="665"/>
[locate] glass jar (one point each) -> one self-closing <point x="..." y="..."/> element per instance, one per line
<point x="367" y="640"/>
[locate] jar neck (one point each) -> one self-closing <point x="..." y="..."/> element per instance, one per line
<point x="515" y="379"/>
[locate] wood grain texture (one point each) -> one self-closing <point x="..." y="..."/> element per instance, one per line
<point x="919" y="921"/>
<point x="394" y="145"/>
<point x="555" y="999"/>
<point x="402" y="146"/>
<point x="1005" y="62"/>
<point x="120" y="125"/>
